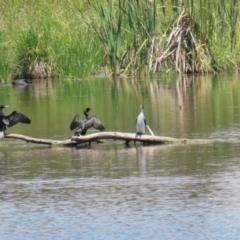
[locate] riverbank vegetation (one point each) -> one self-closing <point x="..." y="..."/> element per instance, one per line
<point x="75" y="39"/>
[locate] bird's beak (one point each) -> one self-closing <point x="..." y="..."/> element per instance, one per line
<point x="6" y="106"/>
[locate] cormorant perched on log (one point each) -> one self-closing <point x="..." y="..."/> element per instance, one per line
<point x="10" y="120"/>
<point x="83" y="125"/>
<point x="141" y="122"/>
<point x="86" y="112"/>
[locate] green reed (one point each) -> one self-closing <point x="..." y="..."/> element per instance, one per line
<point x="4" y="67"/>
<point x="50" y="39"/>
<point x="141" y="18"/>
<point x="213" y="32"/>
<point x="125" y="30"/>
<point x="108" y="26"/>
<point x="44" y="39"/>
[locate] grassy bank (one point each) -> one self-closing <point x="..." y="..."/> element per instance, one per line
<point x="76" y="39"/>
<point x="45" y="39"/>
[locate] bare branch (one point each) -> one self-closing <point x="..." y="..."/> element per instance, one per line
<point x="148" y="139"/>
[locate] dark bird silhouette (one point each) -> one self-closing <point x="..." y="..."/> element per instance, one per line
<point x="86" y="112"/>
<point x="10" y="120"/>
<point x="141" y="122"/>
<point x="82" y="125"/>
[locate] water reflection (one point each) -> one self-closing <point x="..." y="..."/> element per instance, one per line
<point x="141" y="159"/>
<point x="191" y="106"/>
<point x="145" y="192"/>
<point x="3" y="165"/>
<point x="118" y="192"/>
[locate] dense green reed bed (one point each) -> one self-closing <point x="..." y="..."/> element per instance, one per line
<point x="75" y="39"/>
<point x="46" y="39"/>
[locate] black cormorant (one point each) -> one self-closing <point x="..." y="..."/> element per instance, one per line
<point x="10" y="120"/>
<point x="83" y="125"/>
<point x="141" y="122"/>
<point x="86" y="112"/>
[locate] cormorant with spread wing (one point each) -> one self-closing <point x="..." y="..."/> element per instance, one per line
<point x="83" y="125"/>
<point x="10" y="120"/>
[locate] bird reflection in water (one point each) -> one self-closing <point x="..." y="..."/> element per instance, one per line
<point x="141" y="159"/>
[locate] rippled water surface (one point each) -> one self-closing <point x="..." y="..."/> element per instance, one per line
<point x="108" y="191"/>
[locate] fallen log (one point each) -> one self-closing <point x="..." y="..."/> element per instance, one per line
<point x="127" y="137"/>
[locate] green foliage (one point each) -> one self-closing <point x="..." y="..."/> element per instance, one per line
<point x="141" y="18"/>
<point x="108" y="27"/>
<point x="214" y="27"/>
<point x="44" y="39"/>
<point x="125" y="30"/>
<point x="233" y="18"/>
<point x="33" y="56"/>
<point x="50" y="39"/>
<point x="216" y="18"/>
<point x="79" y="56"/>
<point x="4" y="68"/>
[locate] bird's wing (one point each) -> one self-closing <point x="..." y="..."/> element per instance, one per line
<point x="94" y="122"/>
<point x="5" y="120"/>
<point x="2" y="123"/>
<point x="14" y="118"/>
<point x="75" y="122"/>
<point x="98" y="125"/>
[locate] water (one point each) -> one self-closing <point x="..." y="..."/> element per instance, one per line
<point x="109" y="191"/>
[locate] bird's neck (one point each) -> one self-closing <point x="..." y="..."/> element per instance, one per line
<point x="86" y="114"/>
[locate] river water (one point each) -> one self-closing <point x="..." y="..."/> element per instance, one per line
<point x="108" y="191"/>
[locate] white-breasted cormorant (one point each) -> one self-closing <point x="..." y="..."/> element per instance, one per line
<point x="83" y="125"/>
<point x="10" y="120"/>
<point x="141" y="122"/>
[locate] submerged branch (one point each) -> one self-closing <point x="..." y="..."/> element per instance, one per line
<point x="147" y="139"/>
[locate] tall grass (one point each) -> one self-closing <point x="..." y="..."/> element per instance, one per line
<point x="4" y="67"/>
<point x="77" y="56"/>
<point x="125" y="29"/>
<point x="45" y="40"/>
<point x="141" y="17"/>
<point x="213" y="33"/>
<point x="184" y="35"/>
<point x="33" y="58"/>
<point x="108" y="27"/>
<point x="40" y="39"/>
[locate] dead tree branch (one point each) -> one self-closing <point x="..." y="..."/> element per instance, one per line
<point x="127" y="137"/>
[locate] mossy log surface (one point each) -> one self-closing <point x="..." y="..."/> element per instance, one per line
<point x="127" y="137"/>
